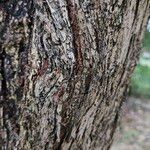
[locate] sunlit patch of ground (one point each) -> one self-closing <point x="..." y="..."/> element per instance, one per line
<point x="133" y="132"/>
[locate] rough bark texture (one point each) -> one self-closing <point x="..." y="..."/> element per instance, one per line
<point x="65" y="65"/>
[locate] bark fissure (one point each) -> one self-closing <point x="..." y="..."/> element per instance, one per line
<point x="72" y="13"/>
<point x="136" y="11"/>
<point x="3" y="78"/>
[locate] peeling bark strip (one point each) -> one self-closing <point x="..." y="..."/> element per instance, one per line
<point x="65" y="66"/>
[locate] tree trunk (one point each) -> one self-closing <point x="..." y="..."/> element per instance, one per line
<point x="65" y="66"/>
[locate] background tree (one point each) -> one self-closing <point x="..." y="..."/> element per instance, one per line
<point x="65" y="65"/>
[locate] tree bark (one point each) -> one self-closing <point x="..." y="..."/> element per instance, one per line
<point x="65" y="67"/>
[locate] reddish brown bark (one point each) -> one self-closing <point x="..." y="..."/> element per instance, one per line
<point x="65" y="66"/>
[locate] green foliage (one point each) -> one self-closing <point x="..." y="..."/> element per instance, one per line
<point x="140" y="82"/>
<point x="146" y="41"/>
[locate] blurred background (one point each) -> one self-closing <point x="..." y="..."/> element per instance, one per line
<point x="133" y="132"/>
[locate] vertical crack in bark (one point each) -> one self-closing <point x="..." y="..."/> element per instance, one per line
<point x="3" y="95"/>
<point x="3" y="100"/>
<point x="3" y="80"/>
<point x="72" y="13"/>
<point x="136" y="11"/>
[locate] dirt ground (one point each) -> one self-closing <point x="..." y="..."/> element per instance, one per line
<point x="133" y="132"/>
